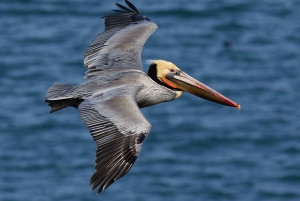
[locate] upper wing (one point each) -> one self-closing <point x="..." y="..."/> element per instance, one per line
<point x="119" y="129"/>
<point x="121" y="43"/>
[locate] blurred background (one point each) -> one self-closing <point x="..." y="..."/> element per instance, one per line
<point x="197" y="150"/>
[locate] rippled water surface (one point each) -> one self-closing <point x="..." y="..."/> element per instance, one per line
<point x="197" y="150"/>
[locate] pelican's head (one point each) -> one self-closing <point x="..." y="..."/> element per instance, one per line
<point x="169" y="75"/>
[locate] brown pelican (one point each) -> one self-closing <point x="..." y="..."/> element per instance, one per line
<point x="109" y="101"/>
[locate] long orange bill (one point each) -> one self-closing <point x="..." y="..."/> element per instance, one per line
<point x="189" y="84"/>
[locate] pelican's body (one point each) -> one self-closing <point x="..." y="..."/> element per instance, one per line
<point x="116" y="87"/>
<point x="147" y="92"/>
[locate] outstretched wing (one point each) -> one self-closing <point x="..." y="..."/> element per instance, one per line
<point x="119" y="129"/>
<point x="121" y="43"/>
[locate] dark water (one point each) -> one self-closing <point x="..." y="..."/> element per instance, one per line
<point x="197" y="150"/>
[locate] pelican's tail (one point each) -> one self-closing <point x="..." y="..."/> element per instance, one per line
<point x="57" y="99"/>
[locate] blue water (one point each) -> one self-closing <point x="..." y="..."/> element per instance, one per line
<point x="197" y="150"/>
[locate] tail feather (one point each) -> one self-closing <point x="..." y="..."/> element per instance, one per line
<point x="57" y="90"/>
<point x="61" y="104"/>
<point x="57" y="100"/>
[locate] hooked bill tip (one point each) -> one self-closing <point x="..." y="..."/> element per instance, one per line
<point x="238" y="107"/>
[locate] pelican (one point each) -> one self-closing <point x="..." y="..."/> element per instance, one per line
<point x="109" y="101"/>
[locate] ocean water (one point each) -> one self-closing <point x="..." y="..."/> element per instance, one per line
<point x="196" y="150"/>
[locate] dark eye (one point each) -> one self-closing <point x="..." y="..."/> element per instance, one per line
<point x="172" y="70"/>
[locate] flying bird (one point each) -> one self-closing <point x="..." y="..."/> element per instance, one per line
<point x="116" y="88"/>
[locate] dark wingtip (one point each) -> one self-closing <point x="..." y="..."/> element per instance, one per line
<point x="93" y="187"/>
<point x="132" y="6"/>
<point x="99" y="190"/>
<point x="135" y="14"/>
<point x="124" y="8"/>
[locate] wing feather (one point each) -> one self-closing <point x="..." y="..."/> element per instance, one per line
<point x="119" y="129"/>
<point x="121" y="43"/>
<point x="123" y="7"/>
<point x="132" y="6"/>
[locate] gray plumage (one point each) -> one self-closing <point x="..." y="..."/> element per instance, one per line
<point x="120" y="45"/>
<point x="116" y="88"/>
